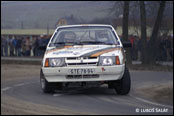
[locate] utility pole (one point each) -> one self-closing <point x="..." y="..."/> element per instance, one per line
<point x="47" y="28"/>
<point x="22" y="26"/>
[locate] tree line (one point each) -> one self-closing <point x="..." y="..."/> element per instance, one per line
<point x="149" y="49"/>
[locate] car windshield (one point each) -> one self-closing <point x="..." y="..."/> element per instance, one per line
<point x="84" y="36"/>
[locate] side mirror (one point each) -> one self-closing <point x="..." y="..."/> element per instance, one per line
<point x="126" y="44"/>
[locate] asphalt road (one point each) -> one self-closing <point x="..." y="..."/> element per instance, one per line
<point x="95" y="100"/>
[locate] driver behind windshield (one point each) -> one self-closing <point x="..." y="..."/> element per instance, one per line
<point x="84" y="36"/>
<point x="102" y="36"/>
<point x="69" y="37"/>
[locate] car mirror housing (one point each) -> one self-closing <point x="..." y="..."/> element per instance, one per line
<point x="127" y="44"/>
<point x="42" y="47"/>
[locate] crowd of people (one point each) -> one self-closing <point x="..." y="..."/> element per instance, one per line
<point x="29" y="46"/>
<point x="164" y="46"/>
<point x="23" y="45"/>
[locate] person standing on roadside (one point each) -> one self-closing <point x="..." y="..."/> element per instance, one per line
<point x="132" y="39"/>
<point x="171" y="52"/>
<point x="5" y="46"/>
<point x="2" y="46"/>
<point x="14" y="42"/>
<point x="18" y="46"/>
<point x="23" y="47"/>
<point x="139" y="48"/>
<point x="37" y="46"/>
<point x="168" y="48"/>
<point x="27" y="47"/>
<point x="11" y="45"/>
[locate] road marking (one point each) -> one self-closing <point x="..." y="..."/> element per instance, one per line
<point x="5" y="89"/>
<point x="18" y="85"/>
<point x="72" y="91"/>
<point x="57" y="95"/>
<point x="150" y="102"/>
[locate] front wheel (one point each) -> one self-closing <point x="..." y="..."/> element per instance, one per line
<point x="123" y="86"/>
<point x="45" y="85"/>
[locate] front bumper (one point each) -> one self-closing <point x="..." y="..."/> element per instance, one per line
<point x="105" y="73"/>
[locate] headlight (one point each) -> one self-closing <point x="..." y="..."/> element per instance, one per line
<point x="107" y="60"/>
<point x="55" y="62"/>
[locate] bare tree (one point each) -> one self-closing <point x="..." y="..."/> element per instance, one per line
<point x="22" y="25"/>
<point x="134" y="14"/>
<point x="150" y="46"/>
<point x="125" y="29"/>
<point x="152" y="43"/>
<point x="143" y="32"/>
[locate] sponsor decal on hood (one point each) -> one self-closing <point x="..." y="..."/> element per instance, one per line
<point x="82" y="51"/>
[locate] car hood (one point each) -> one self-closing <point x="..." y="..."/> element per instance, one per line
<point x="82" y="51"/>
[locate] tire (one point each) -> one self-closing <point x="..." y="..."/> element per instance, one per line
<point x="45" y="85"/>
<point x="123" y="86"/>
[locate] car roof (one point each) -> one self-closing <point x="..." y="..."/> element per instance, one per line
<point x="84" y="25"/>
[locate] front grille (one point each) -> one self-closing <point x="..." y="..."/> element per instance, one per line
<point x="75" y="58"/>
<point x="81" y="76"/>
<point x="70" y="64"/>
<point x="82" y="61"/>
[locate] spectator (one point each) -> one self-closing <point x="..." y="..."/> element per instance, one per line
<point x="27" y="46"/>
<point x="131" y="38"/>
<point x="8" y="43"/>
<point x="158" y="51"/>
<point x="11" y="45"/>
<point x="162" y="46"/>
<point x="135" y="51"/>
<point x="23" y="48"/>
<point x="35" y="47"/>
<point x="2" y="46"/>
<point x="5" y="43"/>
<point x="139" y="48"/>
<point x="14" y="43"/>
<point x="42" y="44"/>
<point x="18" y="46"/>
<point x="171" y="52"/>
<point x="39" y="46"/>
<point x="168" y="47"/>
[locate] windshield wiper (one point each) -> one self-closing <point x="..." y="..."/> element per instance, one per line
<point x="95" y="42"/>
<point x="61" y="43"/>
<point x="80" y="43"/>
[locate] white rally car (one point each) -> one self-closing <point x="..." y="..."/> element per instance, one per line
<point x="83" y="54"/>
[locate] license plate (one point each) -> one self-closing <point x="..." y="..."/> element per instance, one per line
<point x="81" y="71"/>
